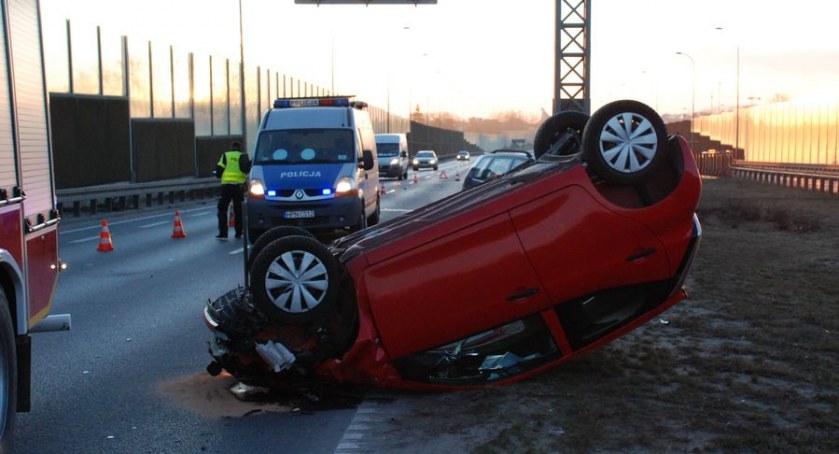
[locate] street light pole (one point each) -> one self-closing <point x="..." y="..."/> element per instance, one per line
<point x="242" y="79"/>
<point x="693" y="94"/>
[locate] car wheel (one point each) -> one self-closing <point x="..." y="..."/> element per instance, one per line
<point x="435" y="167"/>
<point x="624" y="142"/>
<point x="254" y="234"/>
<point x="362" y="220"/>
<point x="376" y="216"/>
<point x="416" y="169"/>
<point x="8" y="375"/>
<point x="294" y="280"/>
<point x="560" y="135"/>
<point x="272" y="235"/>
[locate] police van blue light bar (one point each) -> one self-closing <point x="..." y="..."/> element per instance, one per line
<point x="311" y="102"/>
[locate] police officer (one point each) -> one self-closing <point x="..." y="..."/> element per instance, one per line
<point x="232" y="168"/>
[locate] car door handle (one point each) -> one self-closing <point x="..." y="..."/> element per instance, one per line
<point x="642" y="253"/>
<point x="523" y="294"/>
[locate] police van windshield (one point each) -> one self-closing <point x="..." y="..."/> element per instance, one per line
<point x="305" y="146"/>
<point x="387" y="150"/>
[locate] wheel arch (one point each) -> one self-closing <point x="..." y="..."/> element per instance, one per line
<point x="11" y="282"/>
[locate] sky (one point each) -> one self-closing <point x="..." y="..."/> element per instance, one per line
<point x="485" y="57"/>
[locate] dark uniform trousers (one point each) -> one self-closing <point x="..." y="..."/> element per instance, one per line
<point x="230" y="192"/>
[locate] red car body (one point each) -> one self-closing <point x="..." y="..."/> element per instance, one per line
<point x="493" y="284"/>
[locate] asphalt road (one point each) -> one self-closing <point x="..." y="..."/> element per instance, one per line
<point x="130" y="375"/>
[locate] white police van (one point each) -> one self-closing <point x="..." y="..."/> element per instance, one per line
<point x="314" y="166"/>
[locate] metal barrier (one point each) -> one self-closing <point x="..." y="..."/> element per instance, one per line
<point x="803" y="176"/>
<point x="124" y="196"/>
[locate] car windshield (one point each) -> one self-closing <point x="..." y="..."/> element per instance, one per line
<point x="387" y="150"/>
<point x="425" y="154"/>
<point x="305" y="146"/>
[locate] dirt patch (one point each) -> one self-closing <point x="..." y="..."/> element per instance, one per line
<point x="747" y="364"/>
<point x="211" y="397"/>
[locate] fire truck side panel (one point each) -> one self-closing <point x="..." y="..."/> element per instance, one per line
<point x="30" y="101"/>
<point x="42" y="272"/>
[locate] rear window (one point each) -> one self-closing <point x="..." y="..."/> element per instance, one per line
<point x="305" y="146"/>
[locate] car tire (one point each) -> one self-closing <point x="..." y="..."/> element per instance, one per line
<point x="377" y="215"/>
<point x="416" y="169"/>
<point x="560" y="135"/>
<point x="8" y="375"/>
<point x="361" y="224"/>
<point x="294" y="280"/>
<point x="254" y="234"/>
<point x="624" y="142"/>
<point x="435" y="167"/>
<point x="272" y="235"/>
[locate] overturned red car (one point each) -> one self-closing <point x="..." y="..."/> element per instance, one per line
<point x="488" y="286"/>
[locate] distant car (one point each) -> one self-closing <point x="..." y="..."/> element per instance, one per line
<point x="492" y="165"/>
<point x="392" y="150"/>
<point x="425" y="158"/>
<point x="484" y="287"/>
<point x="462" y="155"/>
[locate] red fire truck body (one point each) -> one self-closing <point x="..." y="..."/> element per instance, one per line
<point x="29" y="262"/>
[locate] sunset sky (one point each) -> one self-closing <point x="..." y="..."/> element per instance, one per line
<point x="480" y="57"/>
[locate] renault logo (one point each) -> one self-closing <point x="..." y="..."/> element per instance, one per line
<point x="299" y="194"/>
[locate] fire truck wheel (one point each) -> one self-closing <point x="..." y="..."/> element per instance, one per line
<point x="8" y="375"/>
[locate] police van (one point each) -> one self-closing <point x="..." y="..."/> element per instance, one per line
<point x="314" y="166"/>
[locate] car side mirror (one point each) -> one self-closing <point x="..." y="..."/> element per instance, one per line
<point x="367" y="159"/>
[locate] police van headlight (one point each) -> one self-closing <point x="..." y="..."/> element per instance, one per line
<point x="345" y="186"/>
<point x="256" y="190"/>
<point x="394" y="162"/>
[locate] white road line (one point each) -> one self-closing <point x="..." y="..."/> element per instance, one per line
<point x="193" y="212"/>
<point x="85" y="240"/>
<point x="148" y="226"/>
<point x="397" y="210"/>
<point x="237" y="251"/>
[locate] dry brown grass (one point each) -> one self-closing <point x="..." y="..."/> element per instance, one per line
<point x="750" y="363"/>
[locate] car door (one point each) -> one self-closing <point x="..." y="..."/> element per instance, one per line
<point x="461" y="283"/>
<point x="579" y="245"/>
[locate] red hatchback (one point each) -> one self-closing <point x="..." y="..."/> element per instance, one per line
<point x="487" y="286"/>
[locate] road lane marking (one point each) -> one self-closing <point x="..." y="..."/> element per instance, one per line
<point x="237" y="251"/>
<point x="194" y="212"/>
<point x="148" y="226"/>
<point x="85" y="240"/>
<point x="397" y="210"/>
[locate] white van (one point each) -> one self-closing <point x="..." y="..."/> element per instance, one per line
<point x="393" y="155"/>
<point x="314" y="166"/>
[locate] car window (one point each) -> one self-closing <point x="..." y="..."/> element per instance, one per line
<point x="304" y="146"/>
<point x="425" y="154"/>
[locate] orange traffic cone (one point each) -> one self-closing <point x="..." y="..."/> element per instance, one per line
<point x="415" y="180"/>
<point x="105" y="244"/>
<point x="383" y="191"/>
<point x="231" y="216"/>
<point x="178" y="231"/>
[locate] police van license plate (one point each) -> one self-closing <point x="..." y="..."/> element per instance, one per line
<point x="299" y="214"/>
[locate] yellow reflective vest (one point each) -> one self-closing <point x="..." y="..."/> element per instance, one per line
<point x="232" y="172"/>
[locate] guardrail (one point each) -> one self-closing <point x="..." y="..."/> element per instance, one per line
<point x="125" y="196"/>
<point x="810" y="177"/>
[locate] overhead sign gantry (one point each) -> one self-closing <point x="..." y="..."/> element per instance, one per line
<point x="573" y="56"/>
<point x="365" y="2"/>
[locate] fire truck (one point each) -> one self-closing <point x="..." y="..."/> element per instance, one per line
<point x="29" y="262"/>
